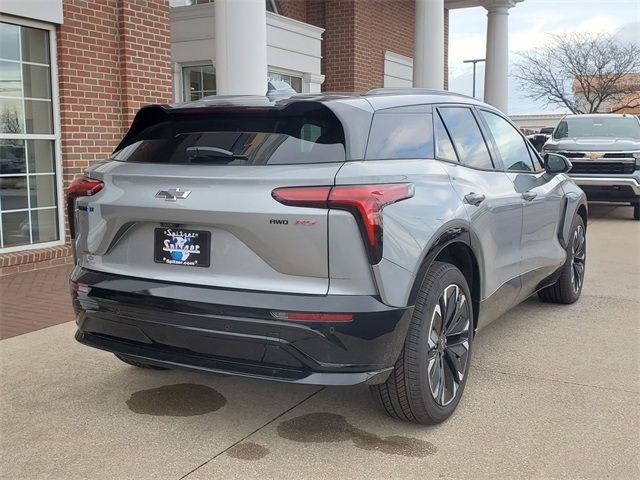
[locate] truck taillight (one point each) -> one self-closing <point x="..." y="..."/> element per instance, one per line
<point x="365" y="202"/>
<point x="80" y="187"/>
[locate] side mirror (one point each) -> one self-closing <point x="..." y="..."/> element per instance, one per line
<point x="555" y="163"/>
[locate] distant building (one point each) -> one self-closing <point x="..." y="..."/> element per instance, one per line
<point x="629" y="85"/>
<point x="535" y="122"/>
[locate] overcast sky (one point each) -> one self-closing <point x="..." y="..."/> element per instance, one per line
<point x="530" y="23"/>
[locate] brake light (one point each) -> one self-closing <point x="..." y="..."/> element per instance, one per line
<point x="365" y="202"/>
<point x="80" y="187"/>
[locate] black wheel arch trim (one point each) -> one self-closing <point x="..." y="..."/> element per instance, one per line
<point x="447" y="235"/>
<point x="571" y="204"/>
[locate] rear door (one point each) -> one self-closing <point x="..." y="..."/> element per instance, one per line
<point x="493" y="205"/>
<point x="541" y="197"/>
<point x="188" y="200"/>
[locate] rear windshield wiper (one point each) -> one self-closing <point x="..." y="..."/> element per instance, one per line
<point x="212" y="154"/>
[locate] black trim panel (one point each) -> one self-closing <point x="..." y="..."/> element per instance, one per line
<point x="236" y="331"/>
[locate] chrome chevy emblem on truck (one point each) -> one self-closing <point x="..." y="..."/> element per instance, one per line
<point x="173" y="194"/>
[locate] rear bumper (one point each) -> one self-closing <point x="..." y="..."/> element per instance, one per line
<point x="609" y="189"/>
<point x="234" y="332"/>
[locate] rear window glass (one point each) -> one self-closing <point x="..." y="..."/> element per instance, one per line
<point x="400" y="135"/>
<point x="311" y="135"/>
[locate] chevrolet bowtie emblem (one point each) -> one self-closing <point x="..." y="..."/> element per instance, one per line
<point x="173" y="194"/>
<point x="593" y="155"/>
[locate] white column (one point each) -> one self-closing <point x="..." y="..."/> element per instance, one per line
<point x="241" y="47"/>
<point x="428" y="61"/>
<point x="496" y="86"/>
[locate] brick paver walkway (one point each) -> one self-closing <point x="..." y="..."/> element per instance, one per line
<point x="33" y="300"/>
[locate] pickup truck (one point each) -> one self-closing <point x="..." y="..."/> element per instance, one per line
<point x="605" y="152"/>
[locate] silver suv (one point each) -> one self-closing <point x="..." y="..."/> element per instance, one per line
<point x="322" y="239"/>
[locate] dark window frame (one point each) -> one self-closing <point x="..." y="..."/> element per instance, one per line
<point x="435" y="115"/>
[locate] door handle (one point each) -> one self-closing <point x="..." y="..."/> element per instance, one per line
<point x="474" y="198"/>
<point x="528" y="196"/>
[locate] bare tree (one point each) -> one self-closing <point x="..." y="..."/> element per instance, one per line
<point x="585" y="73"/>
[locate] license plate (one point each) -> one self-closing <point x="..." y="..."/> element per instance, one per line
<point x="176" y="246"/>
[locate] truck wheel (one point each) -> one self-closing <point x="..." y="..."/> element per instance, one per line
<point x="130" y="361"/>
<point x="429" y="377"/>
<point x="636" y="211"/>
<point x="569" y="286"/>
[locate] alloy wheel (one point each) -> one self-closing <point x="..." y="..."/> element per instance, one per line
<point x="448" y="344"/>
<point x="578" y="255"/>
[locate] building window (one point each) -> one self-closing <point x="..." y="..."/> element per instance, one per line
<point x="293" y="81"/>
<point x="29" y="190"/>
<point x="198" y="82"/>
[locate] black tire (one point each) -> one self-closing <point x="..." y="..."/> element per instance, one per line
<point x="566" y="290"/>
<point x="130" y="361"/>
<point x="407" y="394"/>
<point x="636" y="211"/>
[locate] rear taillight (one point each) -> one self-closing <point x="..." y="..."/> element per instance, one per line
<point x="365" y="202"/>
<point x="80" y="187"/>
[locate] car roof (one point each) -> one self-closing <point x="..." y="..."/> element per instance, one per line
<point x="377" y="99"/>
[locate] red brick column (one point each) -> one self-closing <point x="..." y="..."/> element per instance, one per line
<point x="113" y="57"/>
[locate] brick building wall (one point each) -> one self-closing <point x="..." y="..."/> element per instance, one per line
<point x="357" y="34"/>
<point x="113" y="57"/>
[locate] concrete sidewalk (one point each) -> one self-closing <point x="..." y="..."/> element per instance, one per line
<point x="553" y="393"/>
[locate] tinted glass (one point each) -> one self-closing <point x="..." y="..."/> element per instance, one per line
<point x="36" y="81"/>
<point x="444" y="147"/>
<point x="10" y="85"/>
<point x="42" y="190"/>
<point x="38" y="116"/>
<point x="40" y="155"/>
<point x="512" y="147"/>
<point x="11" y="116"/>
<point x="226" y="139"/>
<point x="44" y="225"/>
<point x="598" y="126"/>
<point x="400" y="135"/>
<point x="467" y="137"/>
<point x="15" y="228"/>
<point x="35" y="45"/>
<point x="199" y="81"/>
<point x="12" y="157"/>
<point x="9" y="41"/>
<point x="13" y="193"/>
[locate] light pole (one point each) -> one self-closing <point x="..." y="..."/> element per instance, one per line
<point x="474" y="61"/>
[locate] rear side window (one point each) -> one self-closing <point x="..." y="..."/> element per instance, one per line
<point x="308" y="134"/>
<point x="467" y="137"/>
<point x="512" y="147"/>
<point x="400" y="135"/>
